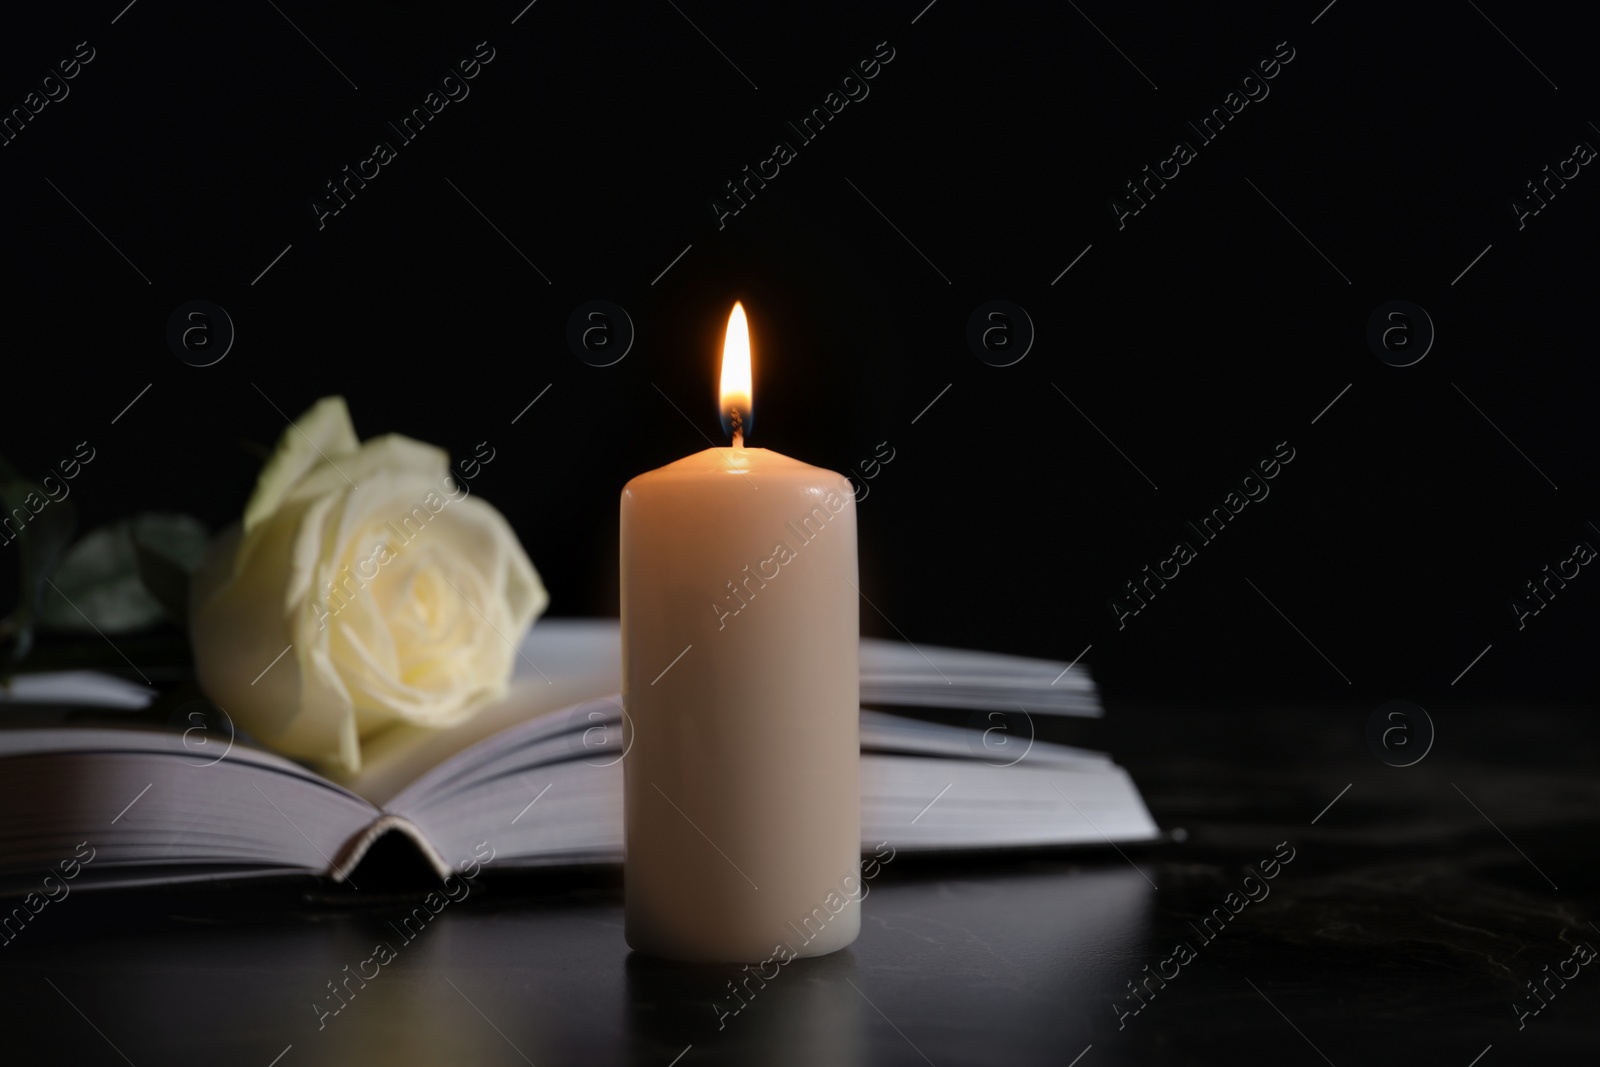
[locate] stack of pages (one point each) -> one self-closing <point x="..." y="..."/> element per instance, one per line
<point x="537" y="775"/>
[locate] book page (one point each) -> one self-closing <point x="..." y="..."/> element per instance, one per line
<point x="559" y="664"/>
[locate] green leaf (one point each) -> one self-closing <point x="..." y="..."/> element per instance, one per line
<point x="101" y="583"/>
<point x="167" y="548"/>
<point x="37" y="528"/>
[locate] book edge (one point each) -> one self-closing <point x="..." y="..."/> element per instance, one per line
<point x="356" y="848"/>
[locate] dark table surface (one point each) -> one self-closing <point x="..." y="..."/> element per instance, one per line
<point x="1406" y="927"/>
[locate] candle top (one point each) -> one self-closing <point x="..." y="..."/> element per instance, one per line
<point x="759" y="466"/>
<point x="733" y="461"/>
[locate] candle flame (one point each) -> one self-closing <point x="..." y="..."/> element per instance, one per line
<point x="736" y="394"/>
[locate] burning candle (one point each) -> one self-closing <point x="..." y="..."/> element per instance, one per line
<point x="740" y="641"/>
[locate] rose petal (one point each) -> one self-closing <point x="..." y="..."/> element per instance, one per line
<point x="393" y="455"/>
<point x="322" y="433"/>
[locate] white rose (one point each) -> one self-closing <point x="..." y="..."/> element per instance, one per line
<point x="392" y="595"/>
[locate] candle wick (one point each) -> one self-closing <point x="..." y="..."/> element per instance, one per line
<point x="738" y="439"/>
<point x="736" y="417"/>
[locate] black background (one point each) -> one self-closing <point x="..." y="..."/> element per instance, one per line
<point x="1196" y="338"/>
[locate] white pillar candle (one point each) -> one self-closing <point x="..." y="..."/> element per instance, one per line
<point x="740" y="645"/>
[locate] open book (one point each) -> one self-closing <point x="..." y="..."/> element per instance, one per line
<point x="537" y="775"/>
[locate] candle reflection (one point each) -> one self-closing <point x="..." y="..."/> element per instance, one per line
<point x="806" y="1014"/>
<point x="940" y="946"/>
